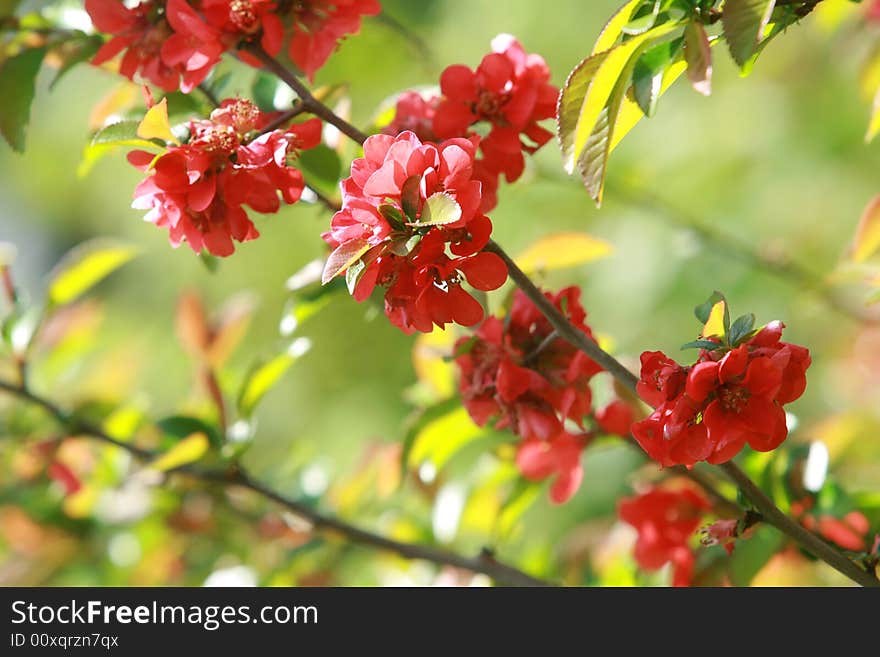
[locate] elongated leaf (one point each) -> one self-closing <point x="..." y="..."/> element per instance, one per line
<point x="344" y="256"/>
<point x="648" y="74"/>
<point x="874" y="123"/>
<point x="744" y="23"/>
<point x="178" y="427"/>
<point x="189" y="450"/>
<point x="614" y="27"/>
<point x="570" y="102"/>
<point x="264" y="376"/>
<point x="616" y="65"/>
<point x="562" y="250"/>
<point x="867" y="239"/>
<point x="630" y="113"/>
<point x="741" y="327"/>
<point x="439" y="440"/>
<point x="698" y="55"/>
<point x="718" y="324"/>
<point x="17" y="77"/>
<point x="85" y="266"/>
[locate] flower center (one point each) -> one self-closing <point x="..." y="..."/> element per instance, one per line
<point x="243" y="16"/>
<point x="733" y="398"/>
<point x="489" y="105"/>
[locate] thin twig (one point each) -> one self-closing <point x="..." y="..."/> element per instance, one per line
<point x="483" y="563"/>
<point x="311" y="104"/>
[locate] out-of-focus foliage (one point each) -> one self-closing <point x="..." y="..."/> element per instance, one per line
<point x="328" y="406"/>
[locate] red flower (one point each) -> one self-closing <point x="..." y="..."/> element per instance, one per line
<point x="721" y="532"/>
<point x="319" y="26"/>
<point x="246" y="21"/>
<point x="560" y="457"/>
<point x="197" y="190"/>
<point x="414" y="112"/>
<point x="665" y="520"/>
<point x="616" y="418"/>
<point x="850" y="533"/>
<point x="511" y="374"/>
<point x="140" y="31"/>
<point x="510" y="89"/>
<point x="410" y="223"/>
<point x="729" y="398"/>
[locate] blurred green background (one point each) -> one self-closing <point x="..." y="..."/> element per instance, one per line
<point x="775" y="162"/>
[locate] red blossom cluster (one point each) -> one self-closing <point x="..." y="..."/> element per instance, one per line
<point x="665" y="519"/>
<point x="410" y="222"/>
<point x="729" y="398"/>
<point x="175" y="44"/>
<point x="851" y="532"/>
<point x="510" y="91"/>
<point x="516" y="373"/>
<point x="197" y="190"/>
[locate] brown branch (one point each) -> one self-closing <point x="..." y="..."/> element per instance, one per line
<point x="772" y="515"/>
<point x="310" y="103"/>
<point x="483" y="563"/>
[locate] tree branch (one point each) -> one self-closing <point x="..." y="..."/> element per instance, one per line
<point x="310" y="103"/>
<point x="483" y="563"/>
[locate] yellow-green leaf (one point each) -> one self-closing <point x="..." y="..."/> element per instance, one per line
<point x="264" y="376"/>
<point x="440" y="439"/>
<point x="614" y="27"/>
<point x="188" y="450"/>
<point x="630" y="112"/>
<point x="562" y="250"/>
<point x="155" y="123"/>
<point x="874" y="123"/>
<point x="85" y="266"/>
<point x="610" y="71"/>
<point x="867" y="239"/>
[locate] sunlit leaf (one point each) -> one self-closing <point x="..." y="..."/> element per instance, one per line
<point x="178" y="427"/>
<point x="189" y="450"/>
<point x="614" y="27"/>
<point x="442" y="437"/>
<point x="17" y="78"/>
<point x="867" y="239"/>
<point x="264" y="376"/>
<point x="439" y="209"/>
<point x="342" y="257"/>
<point x="85" y="266"/>
<point x="745" y="22"/>
<point x="155" y="123"/>
<point x="430" y="357"/>
<point x="562" y="250"/>
<point x="715" y="325"/>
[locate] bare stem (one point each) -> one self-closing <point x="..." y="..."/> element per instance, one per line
<point x="483" y="563"/>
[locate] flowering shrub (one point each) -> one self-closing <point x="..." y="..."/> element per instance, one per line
<point x="197" y="191"/>
<point x="411" y="218"/>
<point x="732" y="396"/>
<point x="403" y="204"/>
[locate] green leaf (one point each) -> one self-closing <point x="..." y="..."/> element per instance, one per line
<point x="85" y="266"/>
<point x="422" y="419"/>
<point x="571" y="100"/>
<point x="615" y="67"/>
<point x="648" y="75"/>
<point x="17" y="78"/>
<point x="211" y="262"/>
<point x="744" y="23"/>
<point x="614" y="27"/>
<point x="393" y="216"/>
<point x="752" y="554"/>
<point x="353" y="275"/>
<point x="701" y="344"/>
<point x="741" y="328"/>
<point x="702" y="311"/>
<point x="262" y="378"/>
<point x="439" y="209"/>
<point x="263" y="90"/>
<point x="322" y="165"/>
<point x="343" y="257"/>
<point x="698" y="55"/>
<point x="410" y="196"/>
<point x="441" y="438"/>
<point x="111" y="137"/>
<point x="643" y="19"/>
<point x="178" y="427"/>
